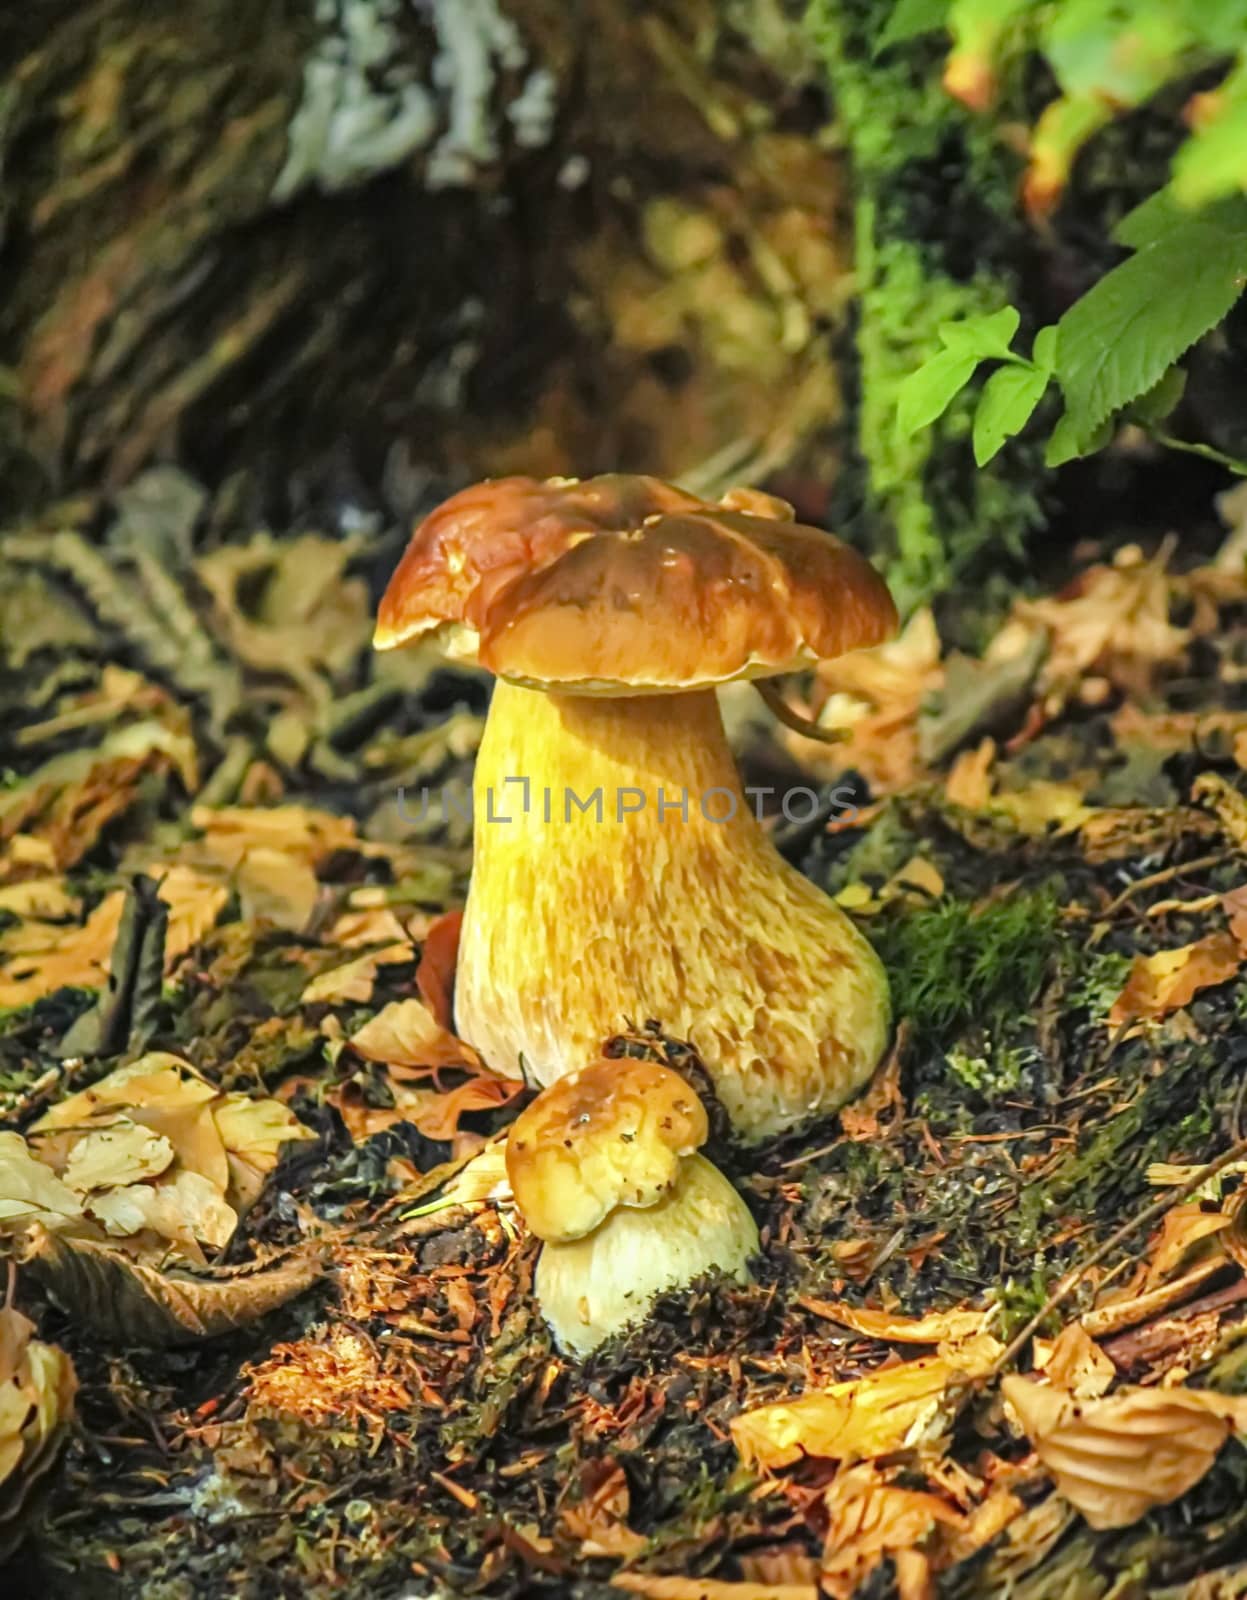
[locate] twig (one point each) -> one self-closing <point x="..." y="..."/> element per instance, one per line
<point x="1167" y="875"/>
<point x="1149" y="1214"/>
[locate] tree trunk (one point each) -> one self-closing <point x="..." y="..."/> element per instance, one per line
<point x="317" y="243"/>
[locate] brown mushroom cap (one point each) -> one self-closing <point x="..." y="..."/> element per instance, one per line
<point x="628" y="585"/>
<point x="612" y="1134"/>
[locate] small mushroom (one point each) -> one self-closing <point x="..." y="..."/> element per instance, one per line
<point x="620" y="871"/>
<point x="604" y="1169"/>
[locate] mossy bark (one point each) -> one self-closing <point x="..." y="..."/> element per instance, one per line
<point x="643" y="278"/>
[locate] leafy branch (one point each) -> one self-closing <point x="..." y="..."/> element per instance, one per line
<point x="1114" y="354"/>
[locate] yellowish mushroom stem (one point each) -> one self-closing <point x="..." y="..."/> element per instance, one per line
<point x="620" y="873"/>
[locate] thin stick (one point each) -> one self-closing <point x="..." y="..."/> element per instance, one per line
<point x="783" y="712"/>
<point x="1149" y="1214"/>
<point x="1156" y="878"/>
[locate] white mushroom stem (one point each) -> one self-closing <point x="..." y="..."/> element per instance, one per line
<point x="594" y="1287"/>
<point x="620" y="873"/>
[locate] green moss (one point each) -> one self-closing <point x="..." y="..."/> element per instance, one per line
<point x="934" y="222"/>
<point x="1098" y="984"/>
<point x="951" y="965"/>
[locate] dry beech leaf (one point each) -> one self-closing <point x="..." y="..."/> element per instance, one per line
<point x="355" y="980"/>
<point x="1114" y="1459"/>
<point x="1170" y="979"/>
<point x="1112" y="622"/>
<point x="157" y="1119"/>
<point x="44" y="899"/>
<point x="30" y="1191"/>
<point x="122" y="1153"/>
<point x="870" y="1518"/>
<point x="882" y="1103"/>
<point x="155" y="1080"/>
<point x="600" y="1519"/>
<point x="77" y="959"/>
<point x="439" y="1119"/>
<point x="435" y="976"/>
<point x="936" y="1327"/>
<point x="406" y="1035"/>
<point x="1234" y="905"/>
<point x="1074" y="1361"/>
<point x="194" y="903"/>
<point x="184" y="1208"/>
<point x="276" y="888"/>
<point x="127" y="1303"/>
<point x="37" y="1388"/>
<point x="1184" y="1228"/>
<point x="859" y="1417"/>
<point x="969" y="781"/>
<point x="230" y="832"/>
<point x="660" y="1588"/>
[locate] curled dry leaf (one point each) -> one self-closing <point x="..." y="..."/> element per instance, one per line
<point x="439" y="1118"/>
<point x="121" y="1153"/>
<point x="1112" y="622"/>
<point x="155" y="1145"/>
<point x="185" y="1209"/>
<point x="37" y="1387"/>
<point x="1114" y="1459"/>
<point x="406" y="1036"/>
<point x="126" y="1302"/>
<point x="600" y="1518"/>
<point x="870" y="1518"/>
<point x="435" y="976"/>
<point x="77" y="958"/>
<point x="1073" y="1361"/>
<point x="876" y="695"/>
<point x="355" y="980"/>
<point x="655" y="1587"/>
<point x="936" y="1327"/>
<point x="1170" y="979"/>
<point x="1226" y="803"/>
<point x="194" y="903"/>
<point x="861" y="1416"/>
<point x="30" y="1191"/>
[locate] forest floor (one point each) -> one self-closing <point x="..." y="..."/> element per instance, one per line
<point x="294" y="1294"/>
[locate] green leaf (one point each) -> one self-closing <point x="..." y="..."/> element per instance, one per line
<point x="1213" y="161"/>
<point x="927" y="393"/>
<point x="1009" y="397"/>
<point x="909" y="19"/>
<point x="1067" y="442"/>
<point x="1122" y="336"/>
<point x="984" y="338"/>
<point x="1161" y="398"/>
<point x="1043" y="351"/>
<point x="1156" y="216"/>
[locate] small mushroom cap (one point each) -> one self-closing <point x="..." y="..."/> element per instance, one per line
<point x="612" y="1134"/>
<point x="628" y="585"/>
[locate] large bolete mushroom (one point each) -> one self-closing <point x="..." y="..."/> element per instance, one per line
<point x="604" y="1169"/>
<point x="620" y="872"/>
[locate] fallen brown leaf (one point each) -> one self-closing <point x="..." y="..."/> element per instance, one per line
<point x="870" y="1518"/>
<point x="125" y="1301"/>
<point x="435" y="976"/>
<point x="859" y="1417"/>
<point x="1170" y="979"/>
<point x="1074" y="1362"/>
<point x="935" y="1327"/>
<point x="660" y="1588"/>
<point x="405" y="1035"/>
<point x="355" y="980"/>
<point x="1114" y="1459"/>
<point x="37" y="1388"/>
